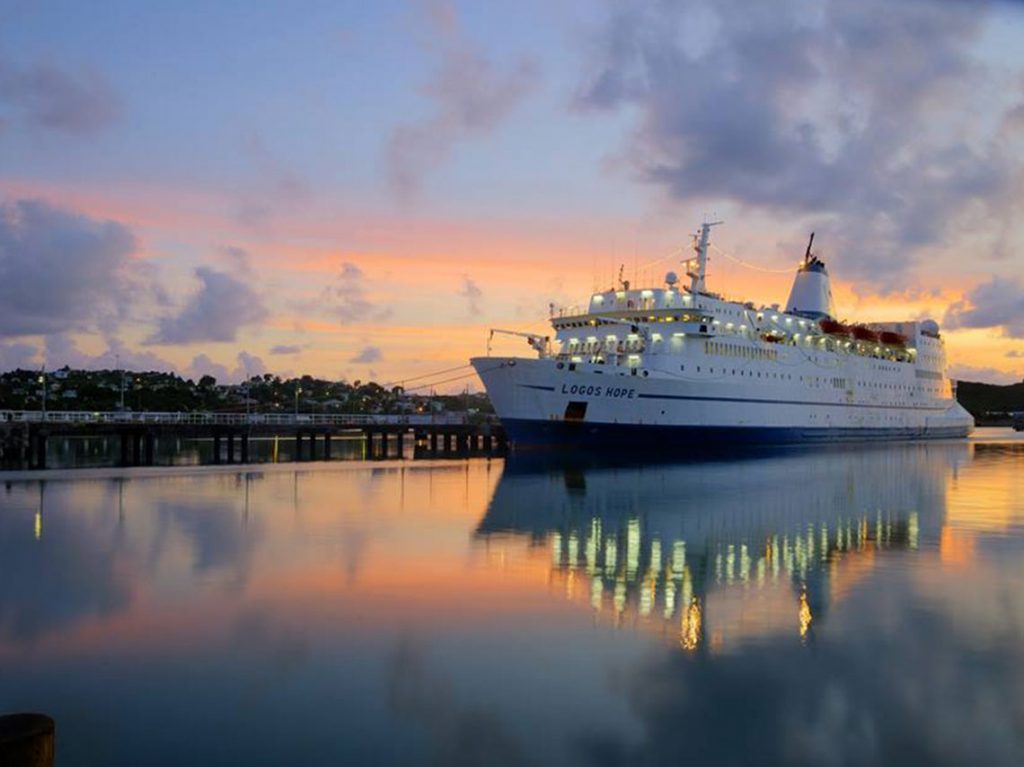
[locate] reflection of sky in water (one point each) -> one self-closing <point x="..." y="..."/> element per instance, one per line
<point x="854" y="606"/>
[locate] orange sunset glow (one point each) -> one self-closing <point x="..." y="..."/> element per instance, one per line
<point x="549" y="383"/>
<point x="411" y="216"/>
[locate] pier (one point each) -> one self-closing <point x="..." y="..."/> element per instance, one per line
<point x="24" y="434"/>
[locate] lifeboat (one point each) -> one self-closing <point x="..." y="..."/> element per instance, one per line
<point x="862" y="333"/>
<point x="834" y="328"/>
<point x="892" y="339"/>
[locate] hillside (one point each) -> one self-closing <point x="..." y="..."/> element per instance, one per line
<point x="981" y="398"/>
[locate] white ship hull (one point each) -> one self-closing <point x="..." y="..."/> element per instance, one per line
<point x="670" y="368"/>
<point x="535" y="401"/>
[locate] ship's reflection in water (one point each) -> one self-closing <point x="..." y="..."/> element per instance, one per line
<point x="716" y="553"/>
<point x="860" y="606"/>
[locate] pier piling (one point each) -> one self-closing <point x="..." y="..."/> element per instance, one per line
<point x="26" y="740"/>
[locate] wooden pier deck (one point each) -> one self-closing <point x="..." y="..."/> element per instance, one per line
<point x="24" y="435"/>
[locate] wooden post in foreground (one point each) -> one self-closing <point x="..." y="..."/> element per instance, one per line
<point x="26" y="740"/>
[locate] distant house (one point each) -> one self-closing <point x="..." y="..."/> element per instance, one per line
<point x="69" y="394"/>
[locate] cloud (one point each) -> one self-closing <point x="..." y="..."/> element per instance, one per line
<point x="472" y="293"/>
<point x="82" y="588"/>
<point x="347" y="297"/>
<point x="278" y="179"/>
<point x="873" y="695"/>
<point x="249" y="365"/>
<point x="997" y="303"/>
<point x="982" y="375"/>
<point x="471" y="96"/>
<point x="237" y="259"/>
<point x="246" y="366"/>
<point x="221" y="307"/>
<point x="274" y="188"/>
<point x="118" y="353"/>
<point x="16" y="356"/>
<point x="286" y="349"/>
<point x="859" y="115"/>
<point x="78" y="102"/>
<point x="61" y="349"/>
<point x="215" y="541"/>
<point x="202" y="365"/>
<point x="455" y="734"/>
<point x="59" y="271"/>
<point x="368" y="355"/>
<point x="1015" y="353"/>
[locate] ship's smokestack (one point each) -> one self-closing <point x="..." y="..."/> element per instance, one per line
<point x="811" y="295"/>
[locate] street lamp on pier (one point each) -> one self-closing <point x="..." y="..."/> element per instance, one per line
<point x="117" y="364"/>
<point x="42" y="389"/>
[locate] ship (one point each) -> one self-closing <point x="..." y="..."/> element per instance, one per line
<point x="680" y="367"/>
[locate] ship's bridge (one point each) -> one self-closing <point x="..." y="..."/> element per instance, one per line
<point x="647" y="299"/>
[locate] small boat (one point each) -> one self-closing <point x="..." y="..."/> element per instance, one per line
<point x="862" y="333"/>
<point x="834" y="328"/>
<point x="892" y="339"/>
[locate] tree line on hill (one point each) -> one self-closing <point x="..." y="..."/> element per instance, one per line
<point x="991" y="403"/>
<point x="111" y="390"/>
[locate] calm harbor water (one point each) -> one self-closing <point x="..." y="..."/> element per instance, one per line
<point x="860" y="605"/>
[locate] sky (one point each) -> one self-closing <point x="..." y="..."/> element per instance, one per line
<point x="362" y="190"/>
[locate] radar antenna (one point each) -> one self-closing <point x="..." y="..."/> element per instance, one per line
<point x="700" y="245"/>
<point x="807" y="254"/>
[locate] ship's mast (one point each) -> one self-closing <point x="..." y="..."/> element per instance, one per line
<point x="700" y="245"/>
<point x="808" y="254"/>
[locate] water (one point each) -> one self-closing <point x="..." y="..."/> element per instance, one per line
<point x="850" y="606"/>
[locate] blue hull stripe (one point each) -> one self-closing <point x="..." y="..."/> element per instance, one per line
<point x="525" y="433"/>
<point x="535" y="386"/>
<point x="788" y="402"/>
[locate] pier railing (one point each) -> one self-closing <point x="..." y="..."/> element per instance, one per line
<point x="231" y="419"/>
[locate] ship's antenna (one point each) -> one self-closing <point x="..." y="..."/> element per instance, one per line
<point x="622" y="268"/>
<point x="807" y="255"/>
